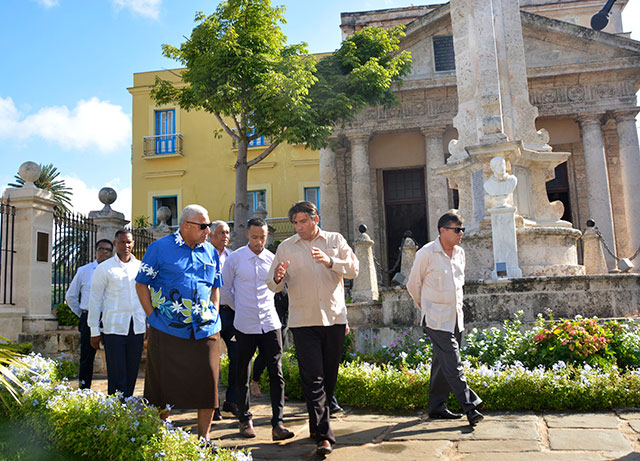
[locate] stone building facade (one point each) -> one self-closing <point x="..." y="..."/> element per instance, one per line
<point x="583" y="83"/>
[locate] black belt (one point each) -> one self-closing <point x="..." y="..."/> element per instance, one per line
<point x="225" y="306"/>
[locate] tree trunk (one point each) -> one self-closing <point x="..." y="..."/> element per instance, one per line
<point x="241" y="209"/>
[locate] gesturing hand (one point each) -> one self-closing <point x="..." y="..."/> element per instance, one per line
<point x="280" y="271"/>
<point x="321" y="257"/>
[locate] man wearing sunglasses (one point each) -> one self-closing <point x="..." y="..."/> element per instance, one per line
<point x="435" y="284"/>
<point x="179" y="287"/>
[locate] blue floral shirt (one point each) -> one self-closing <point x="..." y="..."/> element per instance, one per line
<point x="180" y="280"/>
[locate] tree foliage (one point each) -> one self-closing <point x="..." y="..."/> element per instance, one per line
<point x="239" y="67"/>
<point x="48" y="180"/>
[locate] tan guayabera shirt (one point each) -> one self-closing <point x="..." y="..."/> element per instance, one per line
<point x="435" y="284"/>
<point x="316" y="293"/>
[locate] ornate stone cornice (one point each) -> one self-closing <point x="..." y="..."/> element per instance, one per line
<point x="629" y="114"/>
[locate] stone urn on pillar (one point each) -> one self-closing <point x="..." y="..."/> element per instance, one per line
<point x="108" y="220"/>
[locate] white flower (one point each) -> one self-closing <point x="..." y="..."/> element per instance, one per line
<point x="179" y="239"/>
<point x="176" y="306"/>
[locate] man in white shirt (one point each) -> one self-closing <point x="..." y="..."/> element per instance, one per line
<point x="435" y="284"/>
<point x="257" y="324"/>
<point x="77" y="298"/>
<point x="219" y="238"/>
<point x="114" y="294"/>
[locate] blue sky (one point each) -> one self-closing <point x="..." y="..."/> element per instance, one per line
<point x="68" y="63"/>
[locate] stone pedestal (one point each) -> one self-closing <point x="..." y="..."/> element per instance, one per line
<point x="33" y="239"/>
<point x="593" y="259"/>
<point x="505" y="244"/>
<point x="329" y="202"/>
<point x="107" y="220"/>
<point x="365" y="285"/>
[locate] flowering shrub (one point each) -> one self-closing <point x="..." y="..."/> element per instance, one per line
<point x="88" y="423"/>
<point x="495" y="345"/>
<point x="405" y="351"/>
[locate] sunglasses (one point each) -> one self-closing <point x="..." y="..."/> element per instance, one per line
<point x="457" y="230"/>
<point x="202" y="226"/>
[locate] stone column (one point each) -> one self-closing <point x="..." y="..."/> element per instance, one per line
<point x="365" y="285"/>
<point x="108" y="220"/>
<point x="598" y="180"/>
<point x="329" y="205"/>
<point x="361" y="181"/>
<point x="436" y="187"/>
<point x="33" y="234"/>
<point x="630" y="167"/>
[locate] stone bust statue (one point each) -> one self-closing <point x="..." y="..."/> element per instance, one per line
<point x="501" y="184"/>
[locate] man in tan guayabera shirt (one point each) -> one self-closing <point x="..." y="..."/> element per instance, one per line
<point x="313" y="264"/>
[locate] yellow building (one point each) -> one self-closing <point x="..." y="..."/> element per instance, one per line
<point x="181" y="157"/>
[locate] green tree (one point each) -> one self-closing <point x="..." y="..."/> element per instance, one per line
<point x="239" y="68"/>
<point x="48" y="180"/>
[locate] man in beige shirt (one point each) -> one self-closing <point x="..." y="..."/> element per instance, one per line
<point x="435" y="284"/>
<point x="313" y="263"/>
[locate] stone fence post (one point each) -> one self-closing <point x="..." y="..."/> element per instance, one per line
<point x="107" y="220"/>
<point x="365" y="285"/>
<point x="162" y="229"/>
<point x="33" y="234"/>
<point x="409" y="249"/>
<point x="594" y="262"/>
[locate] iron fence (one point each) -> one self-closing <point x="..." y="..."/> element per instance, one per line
<point x="142" y="239"/>
<point x="7" y="252"/>
<point x="74" y="243"/>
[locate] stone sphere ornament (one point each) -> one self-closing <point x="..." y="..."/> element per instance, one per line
<point x="107" y="196"/>
<point x="163" y="214"/>
<point x="29" y="172"/>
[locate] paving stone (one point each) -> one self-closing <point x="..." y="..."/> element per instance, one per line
<point x="628" y="413"/>
<point x="535" y="456"/>
<point x="386" y="451"/>
<point x="580" y="420"/>
<point x="431" y="430"/>
<point x="506" y="430"/>
<point x="508" y="416"/>
<point x="588" y="439"/>
<point x="512" y="446"/>
<point x="358" y="433"/>
<point x="635" y="425"/>
<point x="361" y="415"/>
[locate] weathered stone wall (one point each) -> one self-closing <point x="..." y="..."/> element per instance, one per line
<point x="613" y="295"/>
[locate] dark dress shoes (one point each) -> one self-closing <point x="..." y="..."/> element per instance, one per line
<point x="280" y="432"/>
<point x="216" y="415"/>
<point x="230" y="407"/>
<point x="444" y="414"/>
<point x="474" y="417"/>
<point x="324" y="447"/>
<point x="246" y="429"/>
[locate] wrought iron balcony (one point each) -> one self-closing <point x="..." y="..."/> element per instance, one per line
<point x="163" y="145"/>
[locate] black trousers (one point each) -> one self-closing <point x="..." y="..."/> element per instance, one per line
<point x="87" y="353"/>
<point x="227" y="316"/>
<point x="269" y="346"/>
<point x="446" y="372"/>
<point x="319" y="350"/>
<point x="122" y="353"/>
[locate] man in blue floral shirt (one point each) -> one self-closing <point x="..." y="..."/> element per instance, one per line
<point x="178" y="286"/>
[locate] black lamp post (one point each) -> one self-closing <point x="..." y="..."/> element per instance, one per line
<point x="600" y="20"/>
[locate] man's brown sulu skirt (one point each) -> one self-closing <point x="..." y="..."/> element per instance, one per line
<point x="181" y="372"/>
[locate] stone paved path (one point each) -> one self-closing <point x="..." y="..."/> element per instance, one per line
<point x="365" y="434"/>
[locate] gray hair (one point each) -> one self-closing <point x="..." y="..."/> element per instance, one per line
<point x="192" y="210"/>
<point x="219" y="222"/>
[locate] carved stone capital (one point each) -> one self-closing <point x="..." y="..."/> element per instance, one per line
<point x="433" y="131"/>
<point x="589" y="119"/>
<point x="626" y="114"/>
<point x="359" y="138"/>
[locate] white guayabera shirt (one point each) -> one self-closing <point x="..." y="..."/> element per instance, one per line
<point x="113" y="291"/>
<point x="435" y="284"/>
